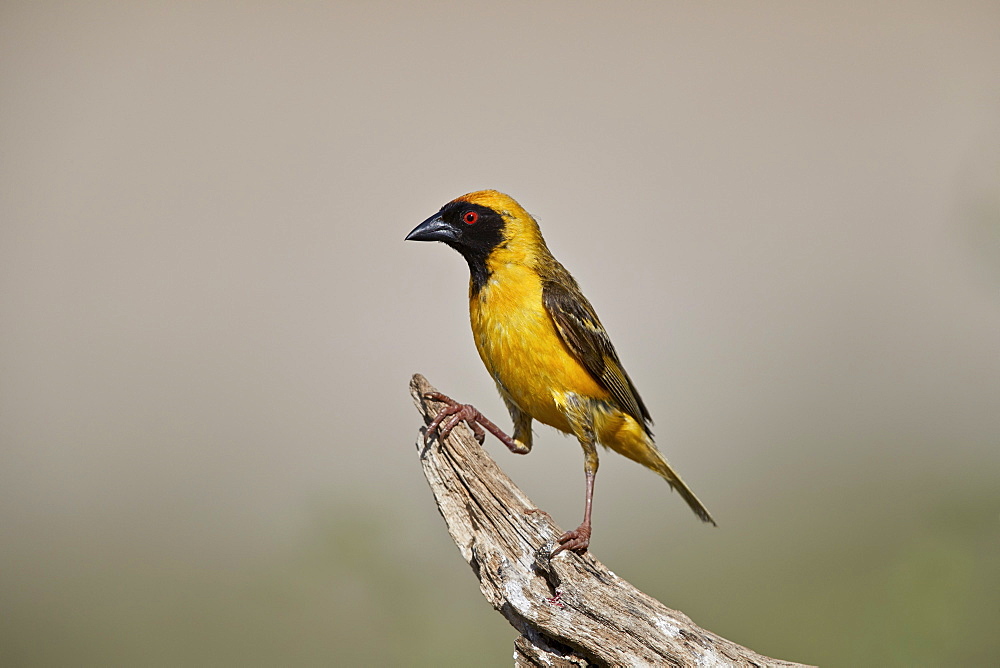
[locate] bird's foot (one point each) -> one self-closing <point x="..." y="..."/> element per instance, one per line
<point x="454" y="413"/>
<point x="449" y="418"/>
<point x="577" y="540"/>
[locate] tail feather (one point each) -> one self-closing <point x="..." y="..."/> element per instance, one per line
<point x="624" y="435"/>
<point x="681" y="487"/>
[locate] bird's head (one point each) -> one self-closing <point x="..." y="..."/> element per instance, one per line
<point x="480" y="223"/>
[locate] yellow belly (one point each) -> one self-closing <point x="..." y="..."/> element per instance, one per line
<point x="522" y="349"/>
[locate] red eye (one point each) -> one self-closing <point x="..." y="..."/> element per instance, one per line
<point x="470" y="217"/>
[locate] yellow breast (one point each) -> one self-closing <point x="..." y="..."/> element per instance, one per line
<point x="522" y="349"/>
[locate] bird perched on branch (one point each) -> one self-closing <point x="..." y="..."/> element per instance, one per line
<point x="543" y="344"/>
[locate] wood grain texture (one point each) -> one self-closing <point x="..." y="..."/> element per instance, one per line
<point x="571" y="610"/>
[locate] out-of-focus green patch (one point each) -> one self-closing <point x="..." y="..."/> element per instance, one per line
<point x="363" y="585"/>
<point x="913" y="586"/>
<point x="357" y="590"/>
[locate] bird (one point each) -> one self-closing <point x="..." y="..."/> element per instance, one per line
<point x="542" y="342"/>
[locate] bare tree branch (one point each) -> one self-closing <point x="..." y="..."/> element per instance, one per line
<point x="571" y="610"/>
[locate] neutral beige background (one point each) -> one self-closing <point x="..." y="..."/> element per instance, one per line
<point x="787" y="215"/>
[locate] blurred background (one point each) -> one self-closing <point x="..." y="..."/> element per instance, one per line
<point x="787" y="215"/>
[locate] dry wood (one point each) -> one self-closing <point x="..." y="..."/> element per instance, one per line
<point x="571" y="610"/>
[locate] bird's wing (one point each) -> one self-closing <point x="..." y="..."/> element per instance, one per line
<point x="582" y="332"/>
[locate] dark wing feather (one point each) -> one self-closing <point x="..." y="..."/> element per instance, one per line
<point x="582" y="332"/>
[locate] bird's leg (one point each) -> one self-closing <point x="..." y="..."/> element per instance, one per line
<point x="455" y="412"/>
<point x="579" y="538"/>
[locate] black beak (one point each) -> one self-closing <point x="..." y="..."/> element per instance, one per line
<point x="433" y="229"/>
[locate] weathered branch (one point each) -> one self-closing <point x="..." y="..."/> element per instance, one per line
<point x="571" y="610"/>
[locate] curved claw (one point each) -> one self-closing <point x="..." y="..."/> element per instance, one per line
<point x="577" y="540"/>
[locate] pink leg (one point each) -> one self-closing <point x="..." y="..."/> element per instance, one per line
<point x="579" y="538"/>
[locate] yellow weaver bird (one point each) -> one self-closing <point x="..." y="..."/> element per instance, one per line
<point x="543" y="344"/>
